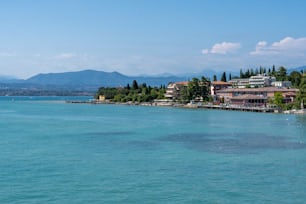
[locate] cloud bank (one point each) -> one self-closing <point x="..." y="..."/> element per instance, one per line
<point x="222" y="48"/>
<point x="287" y="46"/>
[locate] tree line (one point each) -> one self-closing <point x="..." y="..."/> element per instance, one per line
<point x="281" y="74"/>
<point x="196" y="89"/>
<point x="134" y="93"/>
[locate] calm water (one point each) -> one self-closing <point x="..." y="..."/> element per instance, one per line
<point x="53" y="152"/>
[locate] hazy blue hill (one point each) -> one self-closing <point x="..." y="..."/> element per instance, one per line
<point x="10" y="79"/>
<point x="81" y="78"/>
<point x="298" y="69"/>
<point x="92" y="78"/>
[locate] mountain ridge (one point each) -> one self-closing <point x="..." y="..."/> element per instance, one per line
<point x="98" y="78"/>
<point x="90" y="79"/>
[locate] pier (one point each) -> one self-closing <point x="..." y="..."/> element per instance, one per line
<point x="240" y="108"/>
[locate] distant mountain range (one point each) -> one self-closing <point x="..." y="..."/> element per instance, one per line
<point x="84" y="82"/>
<point x="298" y="69"/>
<point x="91" y="80"/>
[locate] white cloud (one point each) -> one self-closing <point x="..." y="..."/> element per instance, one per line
<point x="222" y="48"/>
<point x="286" y="46"/>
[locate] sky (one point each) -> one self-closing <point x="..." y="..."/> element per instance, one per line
<point x="145" y="37"/>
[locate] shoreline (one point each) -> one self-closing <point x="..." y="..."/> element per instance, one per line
<point x="195" y="106"/>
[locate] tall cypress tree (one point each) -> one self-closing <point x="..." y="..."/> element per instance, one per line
<point x="135" y="85"/>
<point x="241" y="74"/>
<point x="214" y="78"/>
<point x="273" y="69"/>
<point x="223" y="77"/>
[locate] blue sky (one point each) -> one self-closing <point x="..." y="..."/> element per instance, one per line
<point x="150" y="37"/>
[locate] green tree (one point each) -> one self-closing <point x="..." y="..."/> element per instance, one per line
<point x="134" y="85"/>
<point x="278" y="99"/>
<point x="193" y="89"/>
<point x="214" y="78"/>
<point x="247" y="74"/>
<point x="204" y="88"/>
<point x="281" y="74"/>
<point x="295" y="78"/>
<point x="184" y="94"/>
<point x="198" y="88"/>
<point x="273" y="70"/>
<point x="252" y="72"/>
<point x="301" y="96"/>
<point x="223" y="77"/>
<point x="241" y="74"/>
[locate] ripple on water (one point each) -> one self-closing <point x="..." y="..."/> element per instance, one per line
<point x="234" y="143"/>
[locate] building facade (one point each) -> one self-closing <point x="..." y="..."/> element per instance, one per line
<point x="173" y="91"/>
<point x="282" y="84"/>
<point x="239" y="83"/>
<point x="261" y="81"/>
<point x="218" y="85"/>
<point x="260" y="94"/>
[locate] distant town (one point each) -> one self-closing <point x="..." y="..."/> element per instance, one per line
<point x="257" y="90"/>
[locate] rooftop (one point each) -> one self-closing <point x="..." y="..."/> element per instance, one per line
<point x="182" y="83"/>
<point x="248" y="96"/>
<point x="263" y="89"/>
<point x="221" y="83"/>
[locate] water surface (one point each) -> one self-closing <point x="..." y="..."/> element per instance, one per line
<point x="53" y="152"/>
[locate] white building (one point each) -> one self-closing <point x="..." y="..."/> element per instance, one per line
<point x="261" y="81"/>
<point x="239" y="83"/>
<point x="282" y="83"/>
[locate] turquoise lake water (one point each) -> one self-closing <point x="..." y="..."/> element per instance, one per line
<point x="53" y="152"/>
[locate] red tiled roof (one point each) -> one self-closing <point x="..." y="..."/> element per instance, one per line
<point x="220" y="83"/>
<point x="182" y="83"/>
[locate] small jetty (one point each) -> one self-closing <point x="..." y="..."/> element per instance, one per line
<point x="240" y="108"/>
<point x="92" y="101"/>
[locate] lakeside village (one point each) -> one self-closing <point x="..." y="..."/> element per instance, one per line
<point x="258" y="91"/>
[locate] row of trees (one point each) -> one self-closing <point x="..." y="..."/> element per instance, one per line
<point x="134" y="93"/>
<point x="197" y="89"/>
<point x="280" y="74"/>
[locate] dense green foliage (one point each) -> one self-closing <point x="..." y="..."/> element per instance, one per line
<point x="136" y="93"/>
<point x="198" y="89"/>
<point x="280" y="74"/>
<point x="301" y="97"/>
<point x="278" y="99"/>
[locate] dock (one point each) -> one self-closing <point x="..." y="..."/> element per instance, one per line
<point x="240" y="108"/>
